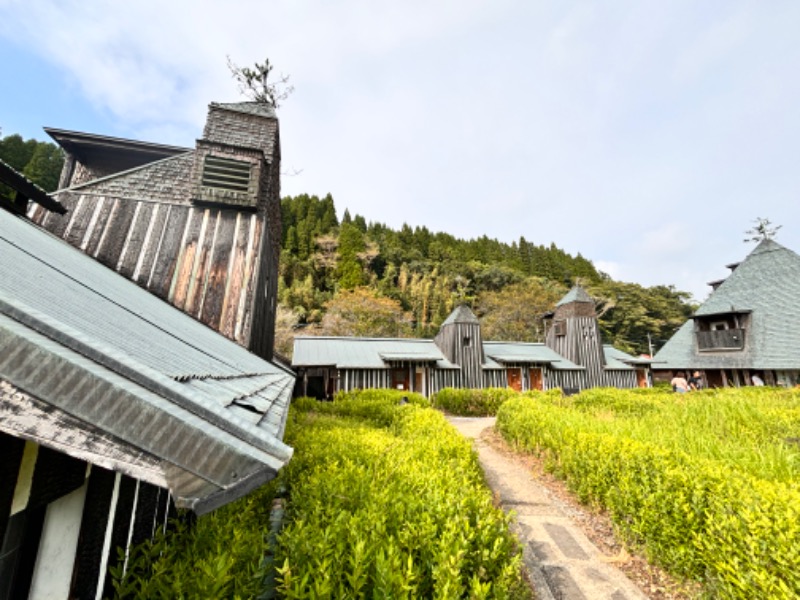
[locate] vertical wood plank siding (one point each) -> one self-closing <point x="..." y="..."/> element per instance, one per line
<point x="575" y="348"/>
<point x="201" y="259"/>
<point x="451" y="341"/>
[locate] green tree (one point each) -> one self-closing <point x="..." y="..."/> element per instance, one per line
<point x="44" y="167"/>
<point x="362" y="313"/>
<point x="516" y="312"/>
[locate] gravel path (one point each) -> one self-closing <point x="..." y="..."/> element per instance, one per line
<point x="561" y="561"/>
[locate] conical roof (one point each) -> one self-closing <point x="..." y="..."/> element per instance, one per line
<point x="461" y="314"/>
<point x="576" y="294"/>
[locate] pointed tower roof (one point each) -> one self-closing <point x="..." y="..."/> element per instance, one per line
<point x="576" y="294"/>
<point x="461" y="314"/>
<point x="765" y="285"/>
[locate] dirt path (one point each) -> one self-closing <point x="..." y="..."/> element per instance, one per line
<point x="562" y="561"/>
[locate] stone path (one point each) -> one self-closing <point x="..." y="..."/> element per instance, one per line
<point x="562" y="562"/>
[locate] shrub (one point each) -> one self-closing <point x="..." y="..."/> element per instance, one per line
<point x="479" y="402"/>
<point x="396" y="511"/>
<point x="708" y="518"/>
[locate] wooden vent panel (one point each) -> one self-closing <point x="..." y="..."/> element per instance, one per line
<point x="226" y="174"/>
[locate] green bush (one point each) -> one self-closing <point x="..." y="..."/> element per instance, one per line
<point x="479" y="402"/>
<point x="392" y="511"/>
<point x="702" y="513"/>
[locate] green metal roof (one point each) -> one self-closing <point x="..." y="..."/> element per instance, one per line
<point x="766" y="284"/>
<point x="527" y="352"/>
<point x="576" y="294"/>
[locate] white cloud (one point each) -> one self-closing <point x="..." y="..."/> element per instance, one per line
<point x="640" y="135"/>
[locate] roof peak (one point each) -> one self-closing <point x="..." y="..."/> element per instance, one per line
<point x="461" y="314"/>
<point x="576" y="294"/>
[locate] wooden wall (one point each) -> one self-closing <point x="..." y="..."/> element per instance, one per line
<point x="63" y="521"/>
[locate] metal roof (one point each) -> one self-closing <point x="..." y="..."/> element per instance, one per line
<point x="364" y="353"/>
<point x="767" y="283"/>
<point x="576" y="294"/>
<point x="527" y="352"/>
<point x="461" y="314"/>
<point x="617" y="360"/>
<point x="87" y="341"/>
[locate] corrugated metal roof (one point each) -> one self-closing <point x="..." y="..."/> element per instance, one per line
<point x="767" y="283"/>
<point x="618" y="360"/>
<point x="362" y="353"/>
<point x="98" y="326"/>
<point x="527" y="352"/>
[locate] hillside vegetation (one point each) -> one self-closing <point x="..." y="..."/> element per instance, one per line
<point x="366" y="279"/>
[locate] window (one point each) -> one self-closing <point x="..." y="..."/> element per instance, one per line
<point x="718" y="325"/>
<point x="466" y="342"/>
<point x="560" y="328"/>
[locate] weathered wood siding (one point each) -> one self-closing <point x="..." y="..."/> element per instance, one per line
<point x="210" y="262"/>
<point x="462" y="344"/>
<point x="582" y="345"/>
<point x="116" y="512"/>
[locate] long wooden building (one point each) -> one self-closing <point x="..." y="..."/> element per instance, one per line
<point x="128" y="303"/>
<point x="572" y="358"/>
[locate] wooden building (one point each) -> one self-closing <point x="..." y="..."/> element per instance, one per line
<point x="198" y="227"/>
<point x="572" y="358"/>
<point x="116" y="406"/>
<point x="749" y="325"/>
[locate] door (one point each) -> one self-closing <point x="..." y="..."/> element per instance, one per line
<point x="641" y="378"/>
<point x="514" y="379"/>
<point x="400" y="379"/>
<point x="537" y="379"/>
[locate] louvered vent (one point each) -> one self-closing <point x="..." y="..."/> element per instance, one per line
<point x="228" y="181"/>
<point x="226" y="174"/>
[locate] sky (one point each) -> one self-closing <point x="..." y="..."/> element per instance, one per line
<point x="646" y="136"/>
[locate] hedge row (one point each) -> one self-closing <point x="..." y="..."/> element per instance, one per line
<point x="398" y="510"/>
<point x="479" y="402"/>
<point x="737" y="534"/>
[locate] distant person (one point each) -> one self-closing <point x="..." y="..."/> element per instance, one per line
<point x="696" y="381"/>
<point x="757" y="381"/>
<point x="679" y="383"/>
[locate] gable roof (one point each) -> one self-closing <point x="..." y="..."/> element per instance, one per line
<point x="765" y="284"/>
<point x="111" y="154"/>
<point x="113" y="360"/>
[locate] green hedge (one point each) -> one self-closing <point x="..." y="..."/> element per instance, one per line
<point x="479" y="402"/>
<point x="701" y="518"/>
<point x="392" y="511"/>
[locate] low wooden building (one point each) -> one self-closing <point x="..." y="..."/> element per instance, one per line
<point x="127" y="392"/>
<point x="572" y="358"/>
<point x="749" y="325"/>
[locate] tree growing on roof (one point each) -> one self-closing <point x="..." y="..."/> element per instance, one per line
<point x="762" y="230"/>
<point x="255" y="84"/>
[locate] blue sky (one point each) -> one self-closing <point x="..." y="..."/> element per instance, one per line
<point x="647" y="136"/>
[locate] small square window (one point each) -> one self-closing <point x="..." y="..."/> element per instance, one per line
<point x="467" y="341"/>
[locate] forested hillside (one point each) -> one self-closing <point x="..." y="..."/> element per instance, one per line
<point x="362" y="278"/>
